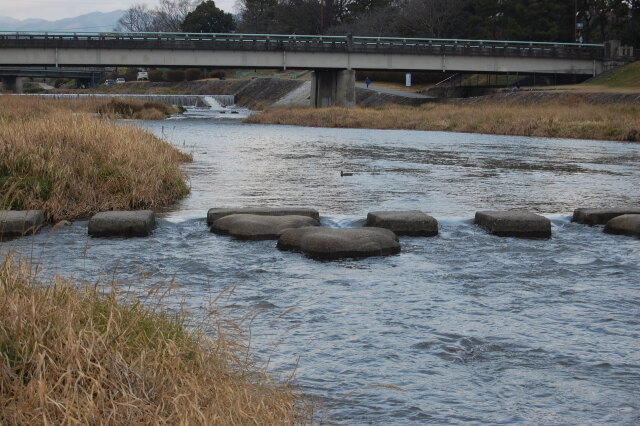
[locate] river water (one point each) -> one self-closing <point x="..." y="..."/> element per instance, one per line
<point x="463" y="327"/>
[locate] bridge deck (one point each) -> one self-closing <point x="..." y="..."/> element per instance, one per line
<point x="300" y="43"/>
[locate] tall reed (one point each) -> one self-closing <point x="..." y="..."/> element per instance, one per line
<point x="554" y="119"/>
<point x="74" y="164"/>
<point x="75" y="354"/>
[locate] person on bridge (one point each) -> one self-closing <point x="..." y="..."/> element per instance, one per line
<point x="367" y="81"/>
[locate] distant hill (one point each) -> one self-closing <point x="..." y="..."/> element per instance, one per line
<point x="95" y="21"/>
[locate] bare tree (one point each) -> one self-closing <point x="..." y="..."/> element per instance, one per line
<point x="171" y="13"/>
<point x="167" y="17"/>
<point x="138" y="18"/>
<point x="376" y="23"/>
<point x="430" y="18"/>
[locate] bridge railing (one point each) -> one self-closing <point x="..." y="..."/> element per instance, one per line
<point x="302" y="43"/>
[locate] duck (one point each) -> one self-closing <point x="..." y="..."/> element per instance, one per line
<point x="345" y="173"/>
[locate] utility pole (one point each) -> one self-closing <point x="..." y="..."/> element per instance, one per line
<point x="575" y="20"/>
<point x="321" y="16"/>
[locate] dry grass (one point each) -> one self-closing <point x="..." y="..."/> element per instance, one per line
<point x="73" y="165"/>
<point x="566" y="119"/>
<point x="73" y="354"/>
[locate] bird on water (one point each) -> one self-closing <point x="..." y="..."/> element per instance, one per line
<point x="345" y="173"/>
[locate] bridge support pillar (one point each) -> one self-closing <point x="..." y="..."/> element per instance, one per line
<point x="12" y="84"/>
<point x="333" y="88"/>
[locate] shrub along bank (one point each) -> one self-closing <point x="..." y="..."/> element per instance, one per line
<point x="72" y="164"/>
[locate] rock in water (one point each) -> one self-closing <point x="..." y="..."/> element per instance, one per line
<point x="514" y="223"/>
<point x="410" y="222"/>
<point x="627" y="224"/>
<point x="337" y="243"/>
<point x="256" y="227"/>
<point x="217" y="213"/>
<point x="601" y="216"/>
<point x="14" y="223"/>
<point x="122" y="224"/>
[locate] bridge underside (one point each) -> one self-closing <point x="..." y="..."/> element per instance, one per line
<point x="12" y="84"/>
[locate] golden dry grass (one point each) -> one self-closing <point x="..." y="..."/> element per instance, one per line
<point x="75" y="354"/>
<point x="73" y="165"/>
<point x="566" y="119"/>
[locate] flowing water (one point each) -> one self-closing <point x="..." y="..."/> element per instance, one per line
<point x="463" y="327"/>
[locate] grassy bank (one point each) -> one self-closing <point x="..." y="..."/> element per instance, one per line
<point x="72" y="354"/>
<point x="627" y="77"/>
<point x="566" y="119"/>
<point x="71" y="164"/>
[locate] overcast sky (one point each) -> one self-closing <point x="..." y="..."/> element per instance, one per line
<point x="59" y="9"/>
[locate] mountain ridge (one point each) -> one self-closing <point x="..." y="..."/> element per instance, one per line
<point x="94" y="21"/>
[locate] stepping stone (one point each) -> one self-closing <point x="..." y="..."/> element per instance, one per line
<point x="338" y="243"/>
<point x="217" y="213"/>
<point x="410" y="222"/>
<point x="122" y="224"/>
<point x="256" y="227"/>
<point x="627" y="224"/>
<point x="601" y="216"/>
<point x="515" y="223"/>
<point x="15" y="223"/>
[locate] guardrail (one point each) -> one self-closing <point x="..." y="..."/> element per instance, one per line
<point x="305" y="43"/>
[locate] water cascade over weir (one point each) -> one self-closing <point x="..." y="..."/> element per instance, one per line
<point x="212" y="101"/>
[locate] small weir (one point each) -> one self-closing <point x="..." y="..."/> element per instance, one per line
<point x="211" y="101"/>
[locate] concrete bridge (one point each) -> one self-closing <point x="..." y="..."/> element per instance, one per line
<point x="334" y="59"/>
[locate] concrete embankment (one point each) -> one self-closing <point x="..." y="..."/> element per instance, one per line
<point x="257" y="93"/>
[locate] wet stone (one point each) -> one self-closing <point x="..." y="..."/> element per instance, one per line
<point x="626" y="224"/>
<point x="410" y="222"/>
<point x="601" y="216"/>
<point x="514" y="223"/>
<point x="337" y="243"/>
<point x="15" y="223"/>
<point x="122" y="224"/>
<point x="256" y="227"/>
<point x="216" y="213"/>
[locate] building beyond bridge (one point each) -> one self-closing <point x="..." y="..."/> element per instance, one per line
<point x="334" y="59"/>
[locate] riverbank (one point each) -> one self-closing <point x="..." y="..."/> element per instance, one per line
<point x="567" y="118"/>
<point x="77" y="353"/>
<point x="57" y="156"/>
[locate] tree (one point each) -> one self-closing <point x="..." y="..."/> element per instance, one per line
<point x="256" y="16"/>
<point x="167" y="17"/>
<point x="207" y="18"/>
<point x="297" y="17"/>
<point x="430" y="18"/>
<point x="138" y="18"/>
<point x="170" y="14"/>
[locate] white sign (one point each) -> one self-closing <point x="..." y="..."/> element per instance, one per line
<point x="408" y="79"/>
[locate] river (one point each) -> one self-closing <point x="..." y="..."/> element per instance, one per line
<point x="461" y="328"/>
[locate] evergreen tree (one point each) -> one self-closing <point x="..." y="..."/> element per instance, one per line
<point x="207" y="18"/>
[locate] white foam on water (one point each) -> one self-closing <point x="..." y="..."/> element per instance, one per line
<point x="213" y="102"/>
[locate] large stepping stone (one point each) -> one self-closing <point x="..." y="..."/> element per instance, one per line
<point x="338" y="243"/>
<point x="15" y="223"/>
<point x="122" y="224"/>
<point x="410" y="222"/>
<point x="601" y="216"/>
<point x="217" y="213"/>
<point x="514" y="223"/>
<point x="256" y="227"/>
<point x="627" y="224"/>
